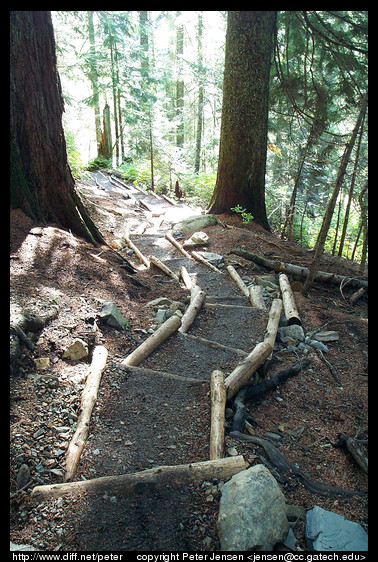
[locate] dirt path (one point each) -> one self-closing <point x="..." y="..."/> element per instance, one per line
<point x="145" y="420"/>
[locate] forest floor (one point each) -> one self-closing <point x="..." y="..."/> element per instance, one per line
<point x="140" y="422"/>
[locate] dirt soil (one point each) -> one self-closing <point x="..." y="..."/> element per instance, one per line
<point x="141" y="422"/>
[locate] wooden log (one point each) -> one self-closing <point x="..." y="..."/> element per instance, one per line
<point x="238" y="280"/>
<point x="184" y="275"/>
<point x="299" y="271"/>
<point x="196" y="303"/>
<point x="245" y="368"/>
<point x="137" y="252"/>
<point x="177" y="245"/>
<point x="273" y="321"/>
<point x="164" y="268"/>
<point x="218" y="404"/>
<point x="357" y="295"/>
<point x="198" y="257"/>
<point x="256" y="297"/>
<point x="354" y="450"/>
<point x="88" y="400"/>
<point x="135" y="482"/>
<point x="288" y="300"/>
<point x="145" y="349"/>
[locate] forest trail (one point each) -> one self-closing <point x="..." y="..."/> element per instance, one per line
<point x="159" y="414"/>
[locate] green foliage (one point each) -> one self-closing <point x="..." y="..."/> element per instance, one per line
<point x="99" y="163"/>
<point x="246" y="217"/>
<point x="73" y="154"/>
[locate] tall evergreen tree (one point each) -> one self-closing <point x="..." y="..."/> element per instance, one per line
<point x="41" y="181"/>
<point x="243" y="141"/>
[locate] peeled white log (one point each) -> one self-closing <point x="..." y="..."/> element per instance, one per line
<point x="273" y="321"/>
<point x="164" y="268"/>
<point x="245" y="369"/>
<point x="256" y="297"/>
<point x="288" y="300"/>
<point x="145" y="349"/>
<point x="196" y="302"/>
<point x="182" y="474"/>
<point x="137" y="252"/>
<point x="238" y="280"/>
<point x="177" y="245"/>
<point x="218" y="404"/>
<point x="88" y="400"/>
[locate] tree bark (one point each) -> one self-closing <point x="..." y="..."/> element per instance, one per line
<point x="182" y="474"/>
<point x="41" y="182"/>
<point x="93" y="77"/>
<point x="243" y="140"/>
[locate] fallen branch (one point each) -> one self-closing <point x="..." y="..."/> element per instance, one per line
<point x="298" y="271"/>
<point x="288" y="300"/>
<point x="281" y="463"/>
<point x="88" y="401"/>
<point x="245" y="369"/>
<point x="218" y="403"/>
<point x="216" y="345"/>
<point x="145" y="349"/>
<point x="354" y="450"/>
<point x="136" y="482"/>
<point x="152" y="373"/>
<point x="357" y="295"/>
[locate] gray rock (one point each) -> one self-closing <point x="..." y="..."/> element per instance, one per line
<point x="22" y="547"/>
<point x="195" y="222"/>
<point x="318" y="345"/>
<point x="76" y="351"/>
<point x="111" y="315"/>
<point x="197" y="239"/>
<point x="252" y="511"/>
<point x="328" y="531"/>
<point x="23" y="476"/>
<point x="160" y="301"/>
<point x="213" y="258"/>
<point x="291" y="334"/>
<point x="328" y="335"/>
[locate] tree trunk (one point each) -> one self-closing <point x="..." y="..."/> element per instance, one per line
<point x="332" y="202"/>
<point x="93" y="77"/>
<point x="200" y="97"/>
<point x="179" y="86"/>
<point x="243" y="140"/>
<point x="41" y="181"/>
<point x="106" y="147"/>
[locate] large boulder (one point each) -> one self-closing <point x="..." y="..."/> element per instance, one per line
<point x="252" y="511"/>
<point x="329" y="531"/>
<point x="196" y="222"/>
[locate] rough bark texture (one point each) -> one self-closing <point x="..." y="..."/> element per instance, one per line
<point x="41" y="181"/>
<point x="243" y="141"/>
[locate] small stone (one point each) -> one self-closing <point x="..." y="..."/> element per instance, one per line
<point x="23" y="476"/>
<point x="326" y="336"/>
<point x="232" y="451"/>
<point x="76" y="351"/>
<point x="42" y="363"/>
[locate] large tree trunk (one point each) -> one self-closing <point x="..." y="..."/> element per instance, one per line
<point x="42" y="185"/>
<point x="243" y="141"/>
<point x="93" y="77"/>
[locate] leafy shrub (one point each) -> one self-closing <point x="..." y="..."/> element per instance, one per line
<point x="98" y="163"/>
